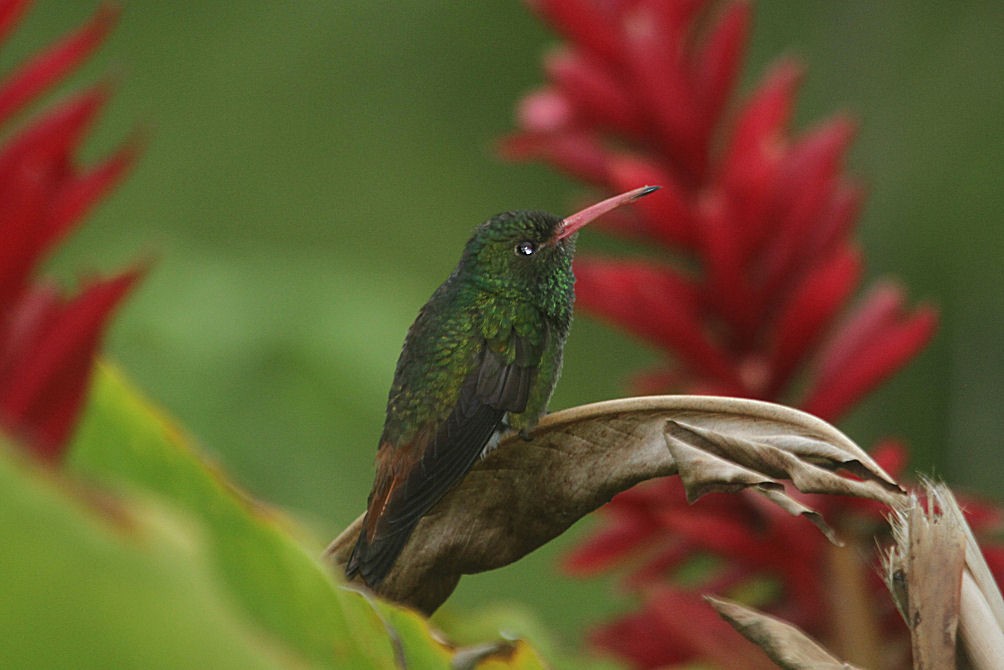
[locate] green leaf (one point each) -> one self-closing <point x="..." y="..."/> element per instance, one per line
<point x="267" y="572"/>
<point x="124" y="442"/>
<point x="88" y="583"/>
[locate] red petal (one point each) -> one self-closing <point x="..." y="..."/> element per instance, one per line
<point x="638" y="639"/>
<point x="695" y="625"/>
<point x="55" y="63"/>
<point x="876" y="342"/>
<point x="709" y="529"/>
<point x="815" y="159"/>
<point x="763" y="118"/>
<point x="728" y="287"/>
<point x="754" y="152"/>
<point x="10" y="13"/>
<point x="57" y="133"/>
<point x="78" y="195"/>
<point x="35" y="312"/>
<point x="674" y="554"/>
<point x="34" y="166"/>
<point x="578" y="153"/>
<point x="877" y="311"/>
<point x="654" y="303"/>
<point x="677" y="627"/>
<point x="659" y="75"/>
<point x="607" y="547"/>
<point x="594" y="92"/>
<point x="674" y="18"/>
<point x="721" y="56"/>
<point x="809" y="311"/>
<point x="892" y="456"/>
<point x="836" y="222"/>
<point x="40" y="399"/>
<point x="585" y="24"/>
<point x="657" y="381"/>
<point x="995" y="561"/>
<point x="544" y="111"/>
<point x="805" y="191"/>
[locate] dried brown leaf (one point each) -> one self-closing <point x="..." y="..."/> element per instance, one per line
<point x="526" y="493"/>
<point x="785" y="644"/>
<point x="941" y="584"/>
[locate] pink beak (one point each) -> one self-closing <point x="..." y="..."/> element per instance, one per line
<point x="570" y="224"/>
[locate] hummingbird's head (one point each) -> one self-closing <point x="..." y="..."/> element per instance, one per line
<point x="529" y="250"/>
<point x="517" y="250"/>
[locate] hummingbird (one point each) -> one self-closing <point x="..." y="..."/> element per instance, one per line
<point x="482" y="358"/>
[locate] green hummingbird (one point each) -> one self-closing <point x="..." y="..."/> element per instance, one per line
<point x="481" y="358"/>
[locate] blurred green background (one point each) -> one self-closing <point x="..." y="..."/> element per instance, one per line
<point x="314" y="168"/>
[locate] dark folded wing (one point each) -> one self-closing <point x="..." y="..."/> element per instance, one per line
<point x="500" y="383"/>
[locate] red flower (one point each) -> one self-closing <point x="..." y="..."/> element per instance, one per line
<point x="767" y="217"/>
<point x="48" y="343"/>
<point x="754" y="224"/>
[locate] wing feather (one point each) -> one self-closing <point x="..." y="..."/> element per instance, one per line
<point x="500" y="383"/>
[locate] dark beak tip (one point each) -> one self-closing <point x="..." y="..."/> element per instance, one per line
<point x="645" y="191"/>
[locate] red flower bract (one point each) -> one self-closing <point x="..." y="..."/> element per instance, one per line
<point x="768" y="217"/>
<point x="643" y="93"/>
<point x="48" y="343"/>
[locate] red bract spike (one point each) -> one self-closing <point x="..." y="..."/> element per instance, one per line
<point x="654" y="571"/>
<point x="635" y="638"/>
<point x="674" y="19"/>
<point x="545" y="111"/>
<point x="753" y="155"/>
<point x="723" y="257"/>
<point x="995" y="561"/>
<point x="748" y="194"/>
<point x="879" y="309"/>
<point x="585" y="24"/>
<point x="34" y="166"/>
<point x="10" y="14"/>
<point x="42" y="395"/>
<point x="33" y="313"/>
<point x="892" y="456"/>
<point x="721" y="56"/>
<point x="54" y="63"/>
<point x="594" y="91"/>
<point x="653" y="303"/>
<point x="809" y="310"/>
<point x="871" y="363"/>
<point x="762" y="120"/>
<point x="835" y="223"/>
<point x="78" y="194"/>
<point x="659" y="76"/>
<point x="981" y="515"/>
<point x="606" y="548"/>
<point x="806" y="189"/>
<point x="22" y="200"/>
<point x="721" y="533"/>
<point x="56" y="135"/>
<point x="685" y="619"/>
<point x="766" y="221"/>
<point x="815" y="158"/>
<point x="655" y="381"/>
<point x="577" y="153"/>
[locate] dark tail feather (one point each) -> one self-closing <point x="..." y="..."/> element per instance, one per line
<point x="373" y="561"/>
<point x="447" y="458"/>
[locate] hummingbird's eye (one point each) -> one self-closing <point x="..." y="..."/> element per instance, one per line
<point x="525" y="248"/>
